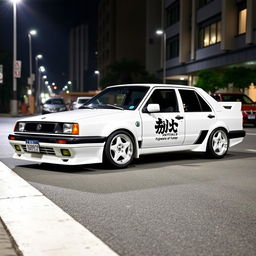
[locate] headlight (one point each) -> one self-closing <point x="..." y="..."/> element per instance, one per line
<point x="20" y="127"/>
<point x="71" y="128"/>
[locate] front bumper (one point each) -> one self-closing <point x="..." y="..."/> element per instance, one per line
<point x="83" y="150"/>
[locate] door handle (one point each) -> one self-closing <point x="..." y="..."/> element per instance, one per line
<point x="179" y="117"/>
<point x="211" y="116"/>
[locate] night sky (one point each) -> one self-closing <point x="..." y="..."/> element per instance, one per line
<point x="53" y="20"/>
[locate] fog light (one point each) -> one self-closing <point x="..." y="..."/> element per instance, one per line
<point x="65" y="152"/>
<point x="17" y="148"/>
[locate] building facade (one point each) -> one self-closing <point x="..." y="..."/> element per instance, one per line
<point x="121" y="32"/>
<point x="82" y="60"/>
<point x="208" y="34"/>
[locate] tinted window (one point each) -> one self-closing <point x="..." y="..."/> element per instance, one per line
<point x="190" y="101"/>
<point x="237" y="97"/>
<point x="204" y="106"/>
<point x="165" y="98"/>
<point x="216" y="97"/>
<point x="48" y="102"/>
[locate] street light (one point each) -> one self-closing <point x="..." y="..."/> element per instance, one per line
<point x="37" y="58"/>
<point x="14" y="101"/>
<point x="31" y="33"/>
<point x="162" y="33"/>
<point x="40" y="71"/>
<point x="97" y="72"/>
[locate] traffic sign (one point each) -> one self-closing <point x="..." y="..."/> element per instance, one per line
<point x="17" y="69"/>
<point x="1" y="74"/>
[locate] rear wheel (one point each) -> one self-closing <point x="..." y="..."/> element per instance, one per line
<point x="218" y="143"/>
<point x="119" y="149"/>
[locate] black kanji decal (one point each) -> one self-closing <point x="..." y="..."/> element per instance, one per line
<point x="164" y="126"/>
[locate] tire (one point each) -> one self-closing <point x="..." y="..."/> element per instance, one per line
<point x="119" y="149"/>
<point x="218" y="143"/>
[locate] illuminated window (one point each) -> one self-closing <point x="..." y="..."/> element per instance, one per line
<point x="242" y="21"/>
<point x="210" y="35"/>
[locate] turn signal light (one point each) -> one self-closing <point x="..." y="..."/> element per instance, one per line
<point x="75" y="129"/>
<point x="12" y="138"/>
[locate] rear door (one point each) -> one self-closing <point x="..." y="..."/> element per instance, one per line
<point x="198" y="114"/>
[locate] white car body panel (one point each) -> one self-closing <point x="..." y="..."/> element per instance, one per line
<point x="101" y="123"/>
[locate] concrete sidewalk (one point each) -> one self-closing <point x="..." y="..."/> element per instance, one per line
<point x="38" y="226"/>
<point x="7" y="244"/>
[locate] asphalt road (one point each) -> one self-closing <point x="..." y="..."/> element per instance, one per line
<point x="168" y="204"/>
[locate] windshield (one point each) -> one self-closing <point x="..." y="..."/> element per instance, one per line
<point x="57" y="102"/>
<point x="125" y="97"/>
<point x="237" y="97"/>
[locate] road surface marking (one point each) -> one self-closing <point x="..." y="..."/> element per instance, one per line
<point x="38" y="226"/>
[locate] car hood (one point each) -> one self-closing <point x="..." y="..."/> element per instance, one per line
<point x="75" y="115"/>
<point x="54" y="106"/>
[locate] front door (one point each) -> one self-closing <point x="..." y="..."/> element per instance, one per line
<point x="166" y="127"/>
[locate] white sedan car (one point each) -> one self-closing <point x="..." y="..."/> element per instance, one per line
<point x="79" y="102"/>
<point x="124" y="122"/>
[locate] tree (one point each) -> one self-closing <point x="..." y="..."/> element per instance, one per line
<point x="240" y="77"/>
<point x="127" y="71"/>
<point x="209" y="80"/>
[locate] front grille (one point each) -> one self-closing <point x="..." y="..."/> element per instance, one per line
<point x="40" y="127"/>
<point x="43" y="150"/>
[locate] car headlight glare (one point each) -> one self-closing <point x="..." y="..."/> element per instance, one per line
<point x="71" y="128"/>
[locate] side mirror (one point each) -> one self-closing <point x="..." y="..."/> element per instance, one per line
<point x="153" y="108"/>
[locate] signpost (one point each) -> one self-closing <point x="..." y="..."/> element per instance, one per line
<point x="17" y="69"/>
<point x="1" y="74"/>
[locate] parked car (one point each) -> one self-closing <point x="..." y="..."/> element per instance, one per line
<point x="248" y="106"/>
<point x="54" y="105"/>
<point x="126" y="121"/>
<point x="80" y="101"/>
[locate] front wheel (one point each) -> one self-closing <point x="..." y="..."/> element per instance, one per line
<point x="119" y="149"/>
<point x="218" y="143"/>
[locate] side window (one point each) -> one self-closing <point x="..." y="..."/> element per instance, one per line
<point x="166" y="98"/>
<point x="204" y="106"/>
<point x="193" y="102"/>
<point x="190" y="101"/>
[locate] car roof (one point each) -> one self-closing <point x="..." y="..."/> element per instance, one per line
<point x="154" y="85"/>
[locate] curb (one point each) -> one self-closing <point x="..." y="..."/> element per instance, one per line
<point x="38" y="226"/>
<point x="8" y="246"/>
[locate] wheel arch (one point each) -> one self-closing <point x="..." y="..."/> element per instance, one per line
<point x="136" y="143"/>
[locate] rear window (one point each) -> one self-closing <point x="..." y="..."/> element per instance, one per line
<point x="237" y="97"/>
